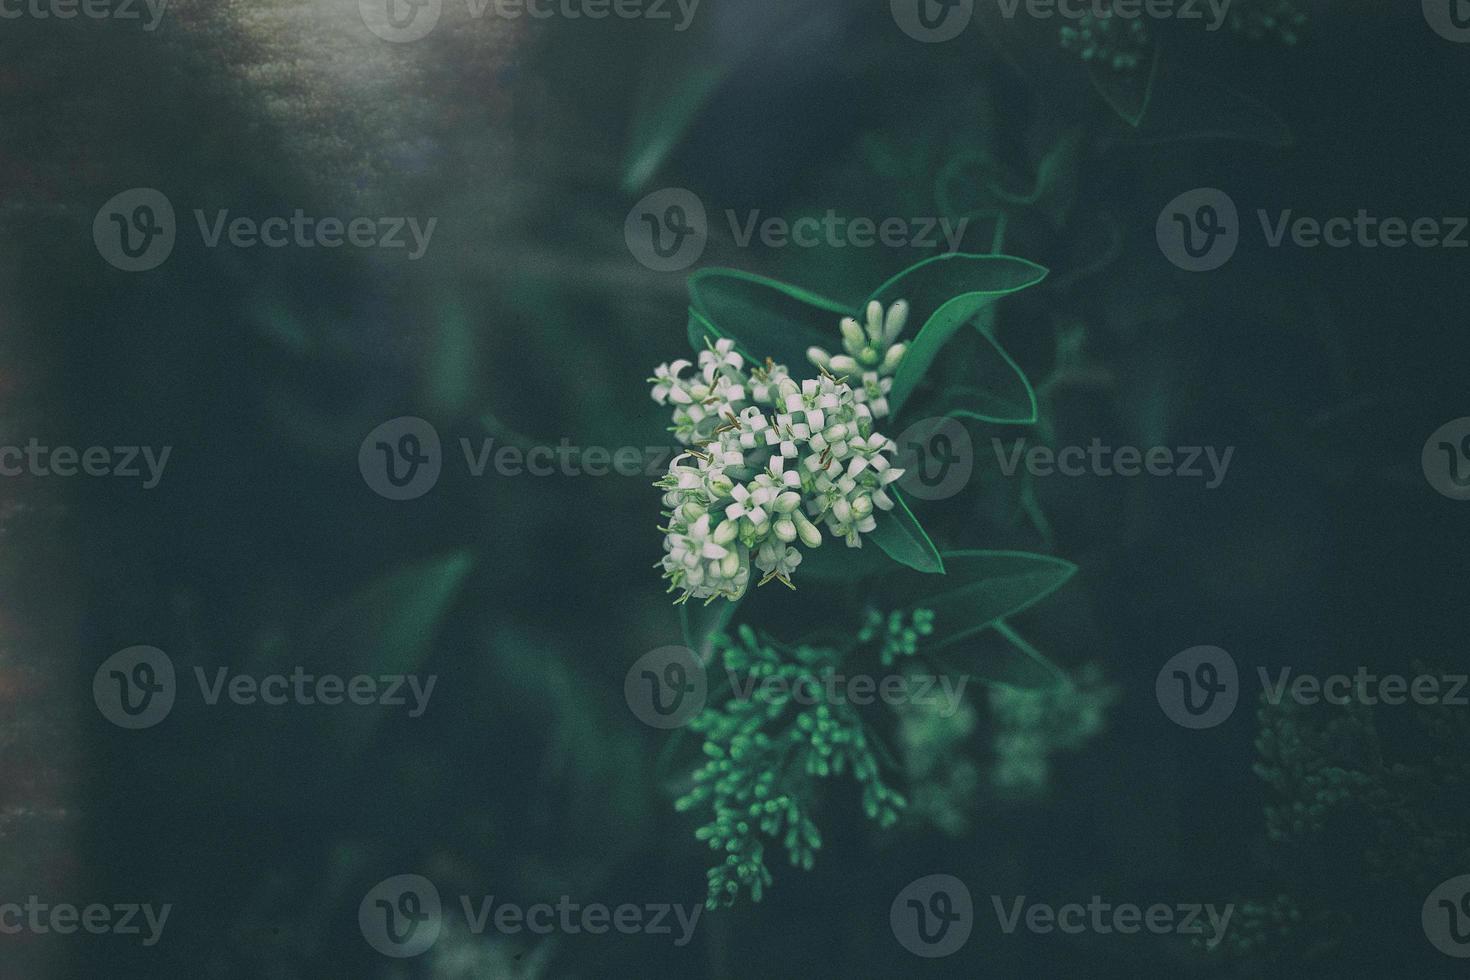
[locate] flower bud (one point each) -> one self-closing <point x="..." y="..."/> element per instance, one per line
<point x="726" y="531"/>
<point x="810" y="536"/>
<point x="893" y="357"/>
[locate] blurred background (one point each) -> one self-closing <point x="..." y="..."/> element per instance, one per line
<point x="531" y="319"/>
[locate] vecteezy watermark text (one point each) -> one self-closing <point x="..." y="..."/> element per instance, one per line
<point x="96" y="918"/>
<point x="403" y="459"/>
<point x="668" y="686"/>
<point x="136" y="230"/>
<point x="34" y="459"/>
<point x="1097" y="459"/>
<point x="1200" y="687"/>
<point x="410" y="20"/>
<point x="667" y="231"/>
<point x="937" y="21"/>
<point x="1200" y="230"/>
<point x="402" y="917"/>
<point x="90" y="9"/>
<point x="136" y="688"/>
<point x="1125" y="918"/>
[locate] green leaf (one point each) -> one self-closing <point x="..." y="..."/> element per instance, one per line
<point x="1022" y="666"/>
<point x="944" y="293"/>
<point x="669" y="100"/>
<point x="1190" y="106"/>
<point x="902" y="538"/>
<point x="701" y="330"/>
<point x="1005" y="398"/>
<point x="1128" y="92"/>
<point x="389" y="627"/>
<point x="766" y="318"/>
<point x="700" y="623"/>
<point x="984" y="587"/>
<point x="834" y="561"/>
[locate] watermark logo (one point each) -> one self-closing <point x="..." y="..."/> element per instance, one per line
<point x="134" y="231"/>
<point x="1450" y="19"/>
<point x="1199" y="687"/>
<point x="1446" y="459"/>
<point x="401" y="459"/>
<point x="401" y="916"/>
<point x="1199" y="230"/>
<point x="938" y="458"/>
<point x="667" y="231"/>
<point x="400" y="20"/>
<point x="666" y="688"/>
<point x="135" y="688"/>
<point x="1446" y="917"/>
<point x="933" y="21"/>
<point x="933" y="916"/>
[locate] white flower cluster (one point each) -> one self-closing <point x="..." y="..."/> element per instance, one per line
<point x="871" y="353"/>
<point x="770" y="459"/>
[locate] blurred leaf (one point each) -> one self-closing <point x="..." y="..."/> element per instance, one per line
<point x="943" y="293"/>
<point x="902" y="538"/>
<point x="1055" y="187"/>
<point x="700" y="623"/>
<point x="1128" y="92"/>
<point x="388" y="627"/>
<point x="984" y="587"/>
<point x="1191" y="106"/>
<point x="450" y="373"/>
<point x="766" y="318"/>
<point x="669" y="99"/>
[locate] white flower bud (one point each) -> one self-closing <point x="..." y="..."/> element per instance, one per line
<point x="810" y="536"/>
<point x="893" y="357"/>
<point x="727" y="531"/>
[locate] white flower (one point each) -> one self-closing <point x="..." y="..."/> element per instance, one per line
<point x="869" y="349"/>
<point x="759" y="478"/>
<point x="666" y="383"/>
<point x="874" y="393"/>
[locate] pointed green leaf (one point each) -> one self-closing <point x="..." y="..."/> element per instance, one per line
<point x="1005" y="397"/>
<point x="1189" y="106"/>
<point x="1128" y="92"/>
<point x="668" y="102"/>
<point x="983" y="587"/>
<point x="389" y="627"/>
<point x="902" y="538"/>
<point x="944" y="293"/>
<point x="766" y="318"/>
